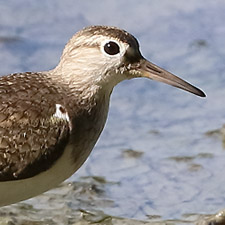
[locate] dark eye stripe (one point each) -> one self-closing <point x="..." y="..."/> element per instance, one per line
<point x="111" y="48"/>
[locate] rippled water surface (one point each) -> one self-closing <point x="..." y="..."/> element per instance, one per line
<point x="161" y="155"/>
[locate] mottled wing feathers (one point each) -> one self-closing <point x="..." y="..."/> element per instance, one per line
<point x="33" y="133"/>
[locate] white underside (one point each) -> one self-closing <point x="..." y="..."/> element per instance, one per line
<point x="15" y="191"/>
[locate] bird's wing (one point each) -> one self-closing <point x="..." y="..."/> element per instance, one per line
<point x="34" y="127"/>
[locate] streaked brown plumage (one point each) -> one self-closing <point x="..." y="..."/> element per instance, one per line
<point x="50" y="121"/>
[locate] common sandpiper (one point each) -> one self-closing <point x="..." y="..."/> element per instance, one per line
<point x="51" y="120"/>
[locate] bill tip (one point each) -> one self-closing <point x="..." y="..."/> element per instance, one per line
<point x="201" y="94"/>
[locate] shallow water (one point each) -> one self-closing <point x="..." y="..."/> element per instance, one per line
<point x="156" y="159"/>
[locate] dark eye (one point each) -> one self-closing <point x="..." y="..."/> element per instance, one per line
<point x="111" y="48"/>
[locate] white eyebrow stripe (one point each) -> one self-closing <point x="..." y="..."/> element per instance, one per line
<point x="60" y="114"/>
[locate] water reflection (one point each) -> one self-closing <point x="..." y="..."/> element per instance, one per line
<point x="218" y="133"/>
<point x="79" y="203"/>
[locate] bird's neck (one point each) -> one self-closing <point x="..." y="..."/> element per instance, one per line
<point x="85" y="93"/>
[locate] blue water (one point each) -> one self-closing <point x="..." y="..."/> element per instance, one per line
<point x="181" y="169"/>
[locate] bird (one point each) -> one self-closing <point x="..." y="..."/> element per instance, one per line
<point x="51" y="120"/>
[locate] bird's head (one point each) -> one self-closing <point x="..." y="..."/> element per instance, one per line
<point x="104" y="56"/>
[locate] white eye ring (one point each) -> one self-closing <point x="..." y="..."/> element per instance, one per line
<point x="117" y="48"/>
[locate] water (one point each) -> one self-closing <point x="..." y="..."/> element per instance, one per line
<point x="154" y="158"/>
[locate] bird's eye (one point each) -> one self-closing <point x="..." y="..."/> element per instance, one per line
<point x="111" y="48"/>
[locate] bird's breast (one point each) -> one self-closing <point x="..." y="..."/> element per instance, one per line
<point x="86" y="129"/>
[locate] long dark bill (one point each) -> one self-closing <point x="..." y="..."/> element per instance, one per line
<point x="152" y="71"/>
